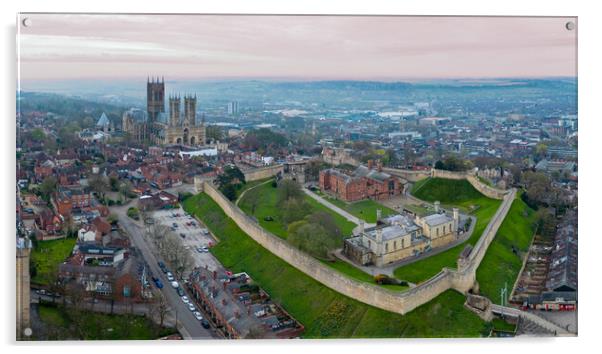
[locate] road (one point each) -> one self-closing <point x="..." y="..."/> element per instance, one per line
<point x="188" y="325"/>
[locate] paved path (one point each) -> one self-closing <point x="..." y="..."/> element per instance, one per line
<point x="246" y="190"/>
<point x="337" y="210"/>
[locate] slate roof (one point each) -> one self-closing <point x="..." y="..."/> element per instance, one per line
<point x="103" y="120"/>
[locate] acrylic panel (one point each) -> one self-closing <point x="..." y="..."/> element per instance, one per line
<point x="208" y="177"/>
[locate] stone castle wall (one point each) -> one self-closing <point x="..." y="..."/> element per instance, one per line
<point x="263" y="172"/>
<point x="398" y="302"/>
<point x="409" y="175"/>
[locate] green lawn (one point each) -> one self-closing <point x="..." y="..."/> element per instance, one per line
<point x="450" y="192"/>
<point x="364" y="209"/>
<point x="501" y="325"/>
<point x="98" y="326"/>
<point x="251" y="184"/>
<point x="47" y="256"/>
<point x="500" y="264"/>
<point x="324" y="312"/>
<point x="268" y="197"/>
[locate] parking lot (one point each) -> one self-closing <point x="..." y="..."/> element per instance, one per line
<point x="193" y="234"/>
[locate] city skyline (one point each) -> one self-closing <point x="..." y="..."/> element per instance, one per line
<point x="294" y="47"/>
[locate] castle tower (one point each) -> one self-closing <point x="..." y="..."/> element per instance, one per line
<point x="174" y="111"/>
<point x="23" y="288"/>
<point x="155" y="99"/>
<point x="190" y="111"/>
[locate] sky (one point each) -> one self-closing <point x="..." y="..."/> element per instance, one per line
<point x="78" y="46"/>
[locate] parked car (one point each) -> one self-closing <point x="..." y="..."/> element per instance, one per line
<point x="157" y="282"/>
<point x="180" y="291"/>
<point x="191" y="307"/>
<point x="174" y="284"/>
<point x="161" y="264"/>
<point x="199" y="249"/>
<point x="174" y="225"/>
<point x="197" y="315"/>
<point x="182" y="235"/>
<point x="170" y="276"/>
<point x="185" y="299"/>
<point x="204" y="249"/>
<point x="205" y="323"/>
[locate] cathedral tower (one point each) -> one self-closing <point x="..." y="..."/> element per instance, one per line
<point x="190" y="110"/>
<point x="155" y="99"/>
<point x="174" y="111"/>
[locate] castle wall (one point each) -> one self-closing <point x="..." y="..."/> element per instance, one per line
<point x="23" y="291"/>
<point x="263" y="172"/>
<point x="462" y="279"/>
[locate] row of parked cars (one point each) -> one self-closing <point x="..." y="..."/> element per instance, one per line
<point x="181" y="293"/>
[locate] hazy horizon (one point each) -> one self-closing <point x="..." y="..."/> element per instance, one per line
<point x="294" y="48"/>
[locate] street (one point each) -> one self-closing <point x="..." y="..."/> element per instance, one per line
<point x="189" y="326"/>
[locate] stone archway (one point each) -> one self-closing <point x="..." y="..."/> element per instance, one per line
<point x="179" y="141"/>
<point x="185" y="138"/>
<point x="192" y="140"/>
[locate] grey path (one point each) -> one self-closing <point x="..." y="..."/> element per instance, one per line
<point x="336" y="209"/>
<point x="188" y="325"/>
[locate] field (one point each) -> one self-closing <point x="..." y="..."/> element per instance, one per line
<point x="47" y="256"/>
<point x="324" y="312"/>
<point x="97" y="326"/>
<point x="266" y="207"/>
<point x="501" y="265"/>
<point x="449" y="192"/>
<point x="364" y="209"/>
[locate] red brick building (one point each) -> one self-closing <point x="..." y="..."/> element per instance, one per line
<point x="363" y="183"/>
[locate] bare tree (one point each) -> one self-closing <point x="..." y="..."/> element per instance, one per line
<point x="159" y="308"/>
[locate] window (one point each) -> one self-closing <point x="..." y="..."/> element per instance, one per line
<point x="402" y="243"/>
<point x="369" y="244"/>
<point x="395" y="244"/>
<point x="437" y="232"/>
<point x="444" y="229"/>
<point x="386" y="247"/>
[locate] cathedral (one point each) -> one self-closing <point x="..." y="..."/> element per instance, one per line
<point x="153" y="124"/>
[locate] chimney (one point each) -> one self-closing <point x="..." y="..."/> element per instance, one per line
<point x="437" y="206"/>
<point x="456" y="218"/>
<point x="379" y="235"/>
<point x="379" y="166"/>
<point x="370" y="164"/>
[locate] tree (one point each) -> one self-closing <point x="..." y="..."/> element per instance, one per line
<point x="229" y="191"/>
<point x="125" y="188"/>
<point x="100" y="185"/>
<point x="47" y="187"/>
<point x="289" y="189"/>
<point x="159" y="308"/>
<point x="214" y="133"/>
<point x="293" y="209"/>
<point x="311" y="238"/>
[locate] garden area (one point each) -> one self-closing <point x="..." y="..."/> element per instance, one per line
<point x="324" y="312"/>
<point x="64" y="324"/>
<point x="46" y="257"/>
<point x="454" y="193"/>
<point x="363" y="209"/>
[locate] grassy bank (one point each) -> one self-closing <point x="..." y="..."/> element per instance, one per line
<point x="449" y="192"/>
<point x="97" y="326"/>
<point x="46" y="257"/>
<point x="324" y="312"/>
<point x="503" y="259"/>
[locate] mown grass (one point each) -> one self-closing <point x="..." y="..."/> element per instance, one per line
<point x="501" y="263"/>
<point x="364" y="209"/>
<point x="267" y="207"/>
<point x="46" y="257"/>
<point x="450" y="192"/>
<point x="324" y="312"/>
<point x="99" y="326"/>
